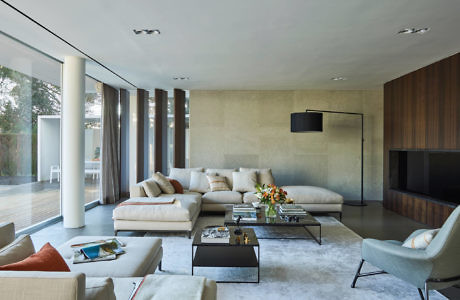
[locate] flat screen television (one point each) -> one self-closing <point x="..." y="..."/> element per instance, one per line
<point x="435" y="174"/>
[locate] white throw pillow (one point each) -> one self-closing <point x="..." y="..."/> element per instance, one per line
<point x="19" y="249"/>
<point x="217" y="183"/>
<point x="244" y="181"/>
<point x="151" y="188"/>
<point x="422" y="240"/>
<point x="199" y="182"/>
<point x="264" y="176"/>
<point x="163" y="183"/>
<point x="183" y="175"/>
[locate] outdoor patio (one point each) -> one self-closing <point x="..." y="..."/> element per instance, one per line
<point x="31" y="203"/>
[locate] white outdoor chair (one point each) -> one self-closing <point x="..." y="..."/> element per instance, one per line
<point x="55" y="169"/>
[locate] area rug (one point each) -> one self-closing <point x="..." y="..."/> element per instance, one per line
<point x="293" y="269"/>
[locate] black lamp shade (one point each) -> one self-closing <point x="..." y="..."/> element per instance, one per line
<point x="306" y="122"/>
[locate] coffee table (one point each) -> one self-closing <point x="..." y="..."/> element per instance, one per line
<point x="230" y="254"/>
<point x="304" y="222"/>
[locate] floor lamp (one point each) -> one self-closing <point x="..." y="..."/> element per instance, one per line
<point x="312" y="121"/>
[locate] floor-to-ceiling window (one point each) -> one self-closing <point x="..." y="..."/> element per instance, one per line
<point x="30" y="106"/>
<point x="187" y="132"/>
<point x="93" y="111"/>
<point x="170" y="135"/>
<point x="151" y="135"/>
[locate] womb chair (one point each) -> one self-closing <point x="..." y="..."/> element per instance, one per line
<point x="434" y="268"/>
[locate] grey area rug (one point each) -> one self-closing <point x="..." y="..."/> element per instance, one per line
<point x="293" y="269"/>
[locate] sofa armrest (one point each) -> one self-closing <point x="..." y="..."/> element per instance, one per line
<point x="21" y="285"/>
<point x="137" y="190"/>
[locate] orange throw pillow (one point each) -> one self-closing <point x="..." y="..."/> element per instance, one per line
<point x="47" y="259"/>
<point x="177" y="186"/>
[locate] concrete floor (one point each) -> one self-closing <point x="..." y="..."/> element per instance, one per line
<point x="371" y="221"/>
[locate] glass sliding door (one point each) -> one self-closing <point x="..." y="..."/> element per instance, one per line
<point x="93" y="111"/>
<point x="30" y="107"/>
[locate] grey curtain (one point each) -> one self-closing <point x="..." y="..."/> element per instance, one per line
<point x="110" y="172"/>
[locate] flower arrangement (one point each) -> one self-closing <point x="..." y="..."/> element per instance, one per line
<point x="270" y="195"/>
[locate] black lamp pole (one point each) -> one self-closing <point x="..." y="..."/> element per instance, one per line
<point x="306" y="124"/>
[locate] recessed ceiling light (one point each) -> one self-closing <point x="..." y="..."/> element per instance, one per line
<point x="181" y="78"/>
<point x="414" y="30"/>
<point x="338" y="78"/>
<point x="147" y="31"/>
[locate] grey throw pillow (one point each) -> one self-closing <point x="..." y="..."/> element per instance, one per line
<point x="244" y="181"/>
<point x="151" y="188"/>
<point x="163" y="182"/>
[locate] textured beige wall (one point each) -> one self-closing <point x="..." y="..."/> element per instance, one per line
<point x="252" y="129"/>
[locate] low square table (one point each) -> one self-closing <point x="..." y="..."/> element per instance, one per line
<point x="304" y="221"/>
<point x="232" y="254"/>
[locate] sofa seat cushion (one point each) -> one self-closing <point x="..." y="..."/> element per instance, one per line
<point x="225" y="197"/>
<point x="99" y="288"/>
<point x="184" y="208"/>
<point x="140" y="253"/>
<point x="250" y="197"/>
<point x="312" y="194"/>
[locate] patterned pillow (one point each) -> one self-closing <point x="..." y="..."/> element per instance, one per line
<point x="163" y="183"/>
<point x="217" y="183"/>
<point x="422" y="240"/>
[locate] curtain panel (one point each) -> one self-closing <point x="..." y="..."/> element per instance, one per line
<point x="110" y="172"/>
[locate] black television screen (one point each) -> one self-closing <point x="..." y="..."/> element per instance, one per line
<point x="432" y="173"/>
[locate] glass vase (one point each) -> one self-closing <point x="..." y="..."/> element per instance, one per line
<point x="270" y="211"/>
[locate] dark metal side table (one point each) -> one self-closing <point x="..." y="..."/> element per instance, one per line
<point x="232" y="254"/>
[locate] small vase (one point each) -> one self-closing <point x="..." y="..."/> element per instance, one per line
<point x="270" y="211"/>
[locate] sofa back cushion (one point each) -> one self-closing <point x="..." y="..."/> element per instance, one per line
<point x="19" y="249"/>
<point x="199" y="182"/>
<point x="244" y="181"/>
<point x="151" y="188"/>
<point x="163" y="182"/>
<point x="47" y="259"/>
<point x="264" y="176"/>
<point x="183" y="175"/>
<point x="227" y="173"/>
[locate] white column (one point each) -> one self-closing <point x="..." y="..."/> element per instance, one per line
<point x="73" y="142"/>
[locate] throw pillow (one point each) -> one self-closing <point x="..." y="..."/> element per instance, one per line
<point x="19" y="249"/>
<point x="183" y="175"/>
<point x="217" y="183"/>
<point x="226" y="173"/>
<point x="244" y="181"/>
<point x="199" y="182"/>
<point x="264" y="176"/>
<point x="151" y="188"/>
<point x="422" y="240"/>
<point x="178" y="189"/>
<point x="47" y="259"/>
<point x="163" y="183"/>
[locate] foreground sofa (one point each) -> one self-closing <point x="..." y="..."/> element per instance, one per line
<point x="104" y="280"/>
<point x="182" y="215"/>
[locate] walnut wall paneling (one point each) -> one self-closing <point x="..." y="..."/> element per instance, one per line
<point x="422" y="112"/>
<point x="142" y="97"/>
<point x="161" y="127"/>
<point x="179" y="128"/>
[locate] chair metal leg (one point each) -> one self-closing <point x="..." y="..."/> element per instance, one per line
<point x="357" y="273"/>
<point x="159" y="266"/>
<point x="189" y="234"/>
<point x="421" y="294"/>
<point x="427" y="291"/>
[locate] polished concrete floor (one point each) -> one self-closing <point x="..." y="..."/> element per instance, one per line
<point x="371" y="221"/>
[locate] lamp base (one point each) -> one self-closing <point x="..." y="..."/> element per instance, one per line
<point x="354" y="203"/>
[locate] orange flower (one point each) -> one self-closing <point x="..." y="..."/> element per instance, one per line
<point x="273" y="201"/>
<point x="278" y="197"/>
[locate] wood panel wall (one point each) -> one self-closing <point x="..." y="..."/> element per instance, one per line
<point x="179" y="128"/>
<point x="422" y="111"/>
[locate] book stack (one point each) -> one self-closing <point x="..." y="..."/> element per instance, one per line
<point x="292" y="210"/>
<point x="247" y="212"/>
<point x="215" y="234"/>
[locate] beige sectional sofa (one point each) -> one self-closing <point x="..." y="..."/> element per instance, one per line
<point x="103" y="280"/>
<point x="182" y="215"/>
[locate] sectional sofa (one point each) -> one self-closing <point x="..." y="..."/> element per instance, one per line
<point x="197" y="196"/>
<point x="103" y="280"/>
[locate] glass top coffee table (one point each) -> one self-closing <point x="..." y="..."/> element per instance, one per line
<point x="304" y="221"/>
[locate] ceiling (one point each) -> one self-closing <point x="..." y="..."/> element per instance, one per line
<point x="240" y="44"/>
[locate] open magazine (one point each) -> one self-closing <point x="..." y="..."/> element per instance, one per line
<point x="97" y="251"/>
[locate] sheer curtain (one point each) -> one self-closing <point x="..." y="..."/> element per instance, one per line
<point x="110" y="173"/>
